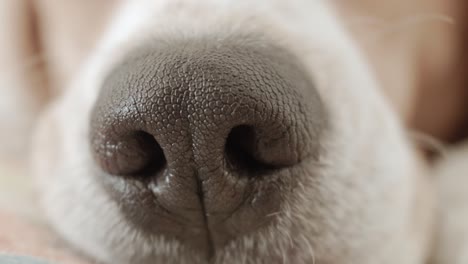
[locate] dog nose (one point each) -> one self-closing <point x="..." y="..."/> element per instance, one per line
<point x="198" y="136"/>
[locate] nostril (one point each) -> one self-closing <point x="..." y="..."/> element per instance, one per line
<point x="134" y="154"/>
<point x="242" y="154"/>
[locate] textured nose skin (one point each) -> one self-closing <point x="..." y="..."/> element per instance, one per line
<point x="197" y="139"/>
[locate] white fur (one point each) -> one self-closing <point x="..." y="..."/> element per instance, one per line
<point x="452" y="236"/>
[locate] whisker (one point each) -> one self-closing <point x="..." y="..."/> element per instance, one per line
<point x="415" y="19"/>
<point x="309" y="246"/>
<point x="410" y="23"/>
<point x="377" y="28"/>
<point x="274" y="214"/>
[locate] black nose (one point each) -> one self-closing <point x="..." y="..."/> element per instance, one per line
<point x="196" y="139"/>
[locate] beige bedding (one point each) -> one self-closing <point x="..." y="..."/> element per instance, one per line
<point x="21" y="231"/>
<point x="15" y="188"/>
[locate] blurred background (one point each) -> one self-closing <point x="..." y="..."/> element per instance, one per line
<point x="419" y="49"/>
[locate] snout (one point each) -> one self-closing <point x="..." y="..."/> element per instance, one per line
<point x="197" y="139"/>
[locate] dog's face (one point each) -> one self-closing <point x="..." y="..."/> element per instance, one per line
<point x="231" y="132"/>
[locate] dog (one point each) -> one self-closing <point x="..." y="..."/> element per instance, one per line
<point x="234" y="132"/>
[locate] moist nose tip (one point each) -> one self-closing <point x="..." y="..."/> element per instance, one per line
<point x="199" y="110"/>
